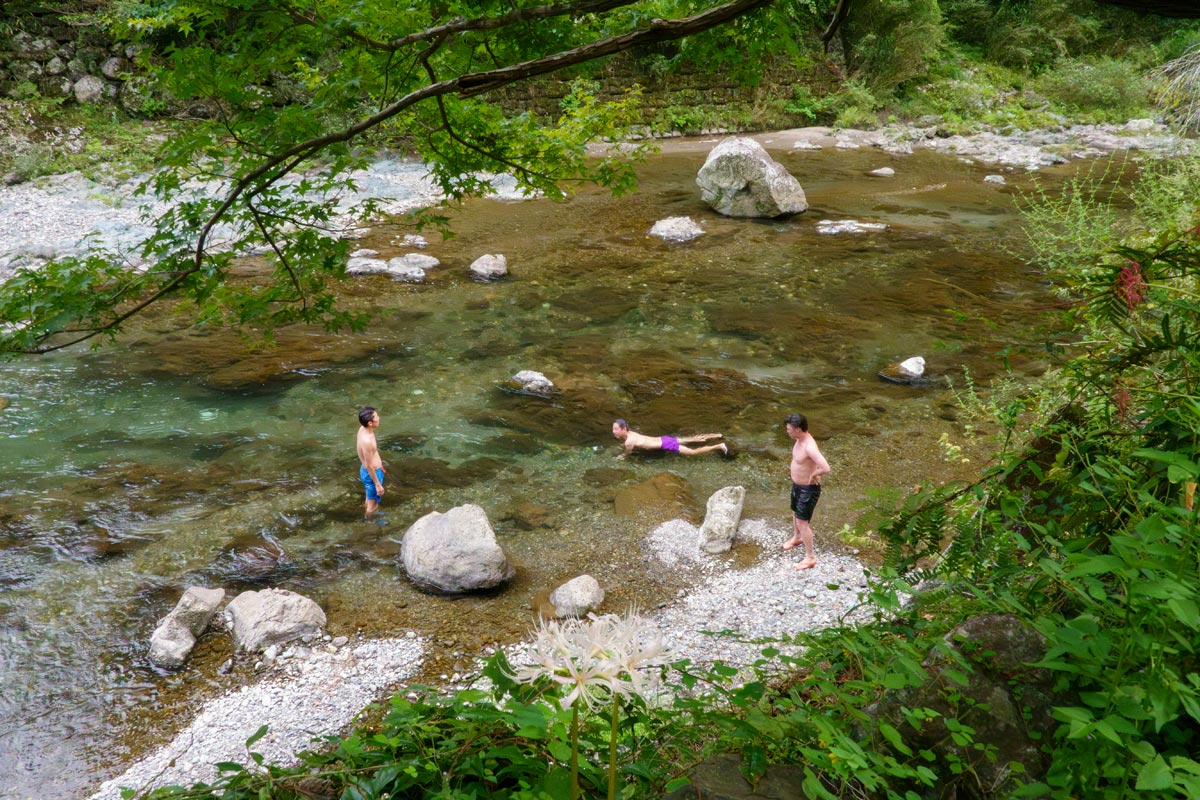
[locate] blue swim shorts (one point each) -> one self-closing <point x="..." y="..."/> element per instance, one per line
<point x="368" y="484"/>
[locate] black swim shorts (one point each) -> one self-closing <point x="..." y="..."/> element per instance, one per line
<point x="804" y="500"/>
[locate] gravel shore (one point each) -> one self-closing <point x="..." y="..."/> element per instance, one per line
<point x="322" y="693"/>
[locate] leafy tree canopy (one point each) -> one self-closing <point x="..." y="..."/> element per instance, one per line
<point x="291" y="86"/>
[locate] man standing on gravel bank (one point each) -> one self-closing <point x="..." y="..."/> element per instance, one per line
<point x="370" y="471"/>
<point x="808" y="465"/>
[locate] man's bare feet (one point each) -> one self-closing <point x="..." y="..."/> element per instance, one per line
<point x="807" y="563"/>
<point x="724" y="448"/>
<point x="790" y="543"/>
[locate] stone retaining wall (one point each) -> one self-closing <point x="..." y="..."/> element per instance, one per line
<point x="53" y="59"/>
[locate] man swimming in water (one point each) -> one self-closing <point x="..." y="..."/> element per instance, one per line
<point x="807" y="467"/>
<point x="370" y="470"/>
<point x="637" y="441"/>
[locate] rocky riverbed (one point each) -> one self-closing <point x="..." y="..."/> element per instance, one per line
<point x="322" y="691"/>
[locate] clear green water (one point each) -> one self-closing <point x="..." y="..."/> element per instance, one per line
<point x="178" y="457"/>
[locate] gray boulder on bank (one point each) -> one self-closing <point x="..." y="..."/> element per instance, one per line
<point x="721" y="520"/>
<point x="577" y="597"/>
<point x="176" y="634"/>
<point x="272" y="616"/>
<point x="455" y="552"/>
<point x="739" y="179"/>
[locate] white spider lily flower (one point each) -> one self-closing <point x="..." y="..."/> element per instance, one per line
<point x="597" y="657"/>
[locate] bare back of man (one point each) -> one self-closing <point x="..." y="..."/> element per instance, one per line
<point x="632" y="440"/>
<point x="806" y="468"/>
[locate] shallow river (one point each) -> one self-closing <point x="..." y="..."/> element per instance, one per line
<point x="178" y="457"/>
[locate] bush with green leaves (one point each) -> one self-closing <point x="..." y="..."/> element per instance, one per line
<point x="1103" y="89"/>
<point x="1090" y="531"/>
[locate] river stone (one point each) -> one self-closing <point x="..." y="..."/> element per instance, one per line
<point x="455" y="552"/>
<point x="488" y="267"/>
<point x="529" y="381"/>
<point x="882" y="172"/>
<point x="996" y="179"/>
<point x="676" y="229"/>
<point x="176" y="634"/>
<point x="577" y="597"/>
<point x="739" y="179"/>
<point x="272" y="616"/>
<point x="413" y="261"/>
<point x="831" y="227"/>
<point x="721" y="520"/>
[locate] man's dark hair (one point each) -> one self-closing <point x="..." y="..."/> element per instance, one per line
<point x="797" y="421"/>
<point x="365" y="416"/>
<point x="622" y="424"/>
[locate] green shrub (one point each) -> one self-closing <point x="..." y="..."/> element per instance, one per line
<point x="1107" y="88"/>
<point x="856" y="106"/>
<point x="891" y="42"/>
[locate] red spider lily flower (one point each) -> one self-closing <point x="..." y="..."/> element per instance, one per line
<point x="1121" y="398"/>
<point x="1131" y="285"/>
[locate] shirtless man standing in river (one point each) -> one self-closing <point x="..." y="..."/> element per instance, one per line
<point x="808" y="465"/>
<point x="639" y="441"/>
<point x="370" y="470"/>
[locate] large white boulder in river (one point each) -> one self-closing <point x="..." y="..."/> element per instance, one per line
<point x="272" y="616"/>
<point x="455" y="552"/>
<point x="739" y="179"/>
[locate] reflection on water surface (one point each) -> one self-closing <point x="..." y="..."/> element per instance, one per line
<point x="178" y="457"/>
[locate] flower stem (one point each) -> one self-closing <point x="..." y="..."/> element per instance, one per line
<point x="575" y="751"/>
<point x="612" y="752"/>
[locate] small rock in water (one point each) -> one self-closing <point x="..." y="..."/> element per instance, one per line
<point x="829" y="226"/>
<point x="996" y="179"/>
<point x="676" y="229"/>
<point x="882" y="172"/>
<point x="489" y="267"/>
<point x="528" y="381"/>
<point x="913" y="367"/>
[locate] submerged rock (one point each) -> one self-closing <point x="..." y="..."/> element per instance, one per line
<point x="830" y="227"/>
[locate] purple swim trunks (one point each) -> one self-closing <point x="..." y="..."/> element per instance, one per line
<point x="670" y="443"/>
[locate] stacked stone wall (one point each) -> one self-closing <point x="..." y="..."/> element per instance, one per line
<point x="49" y="58"/>
<point x="667" y="94"/>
